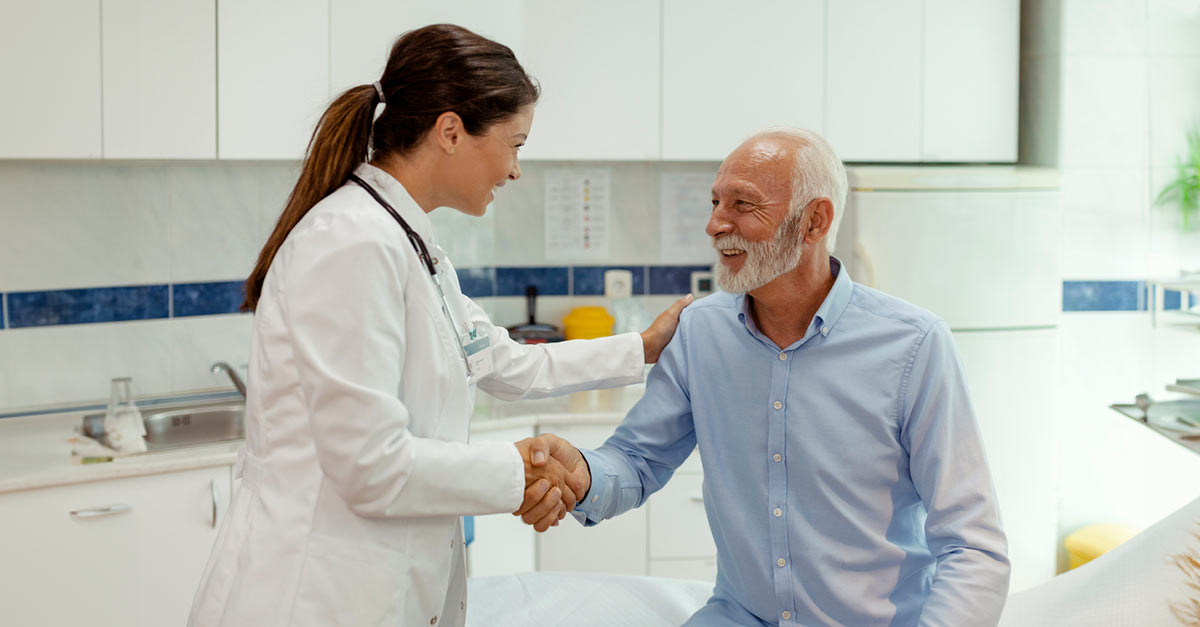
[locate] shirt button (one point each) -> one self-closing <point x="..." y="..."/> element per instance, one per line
<point x="781" y="562"/>
<point x="778" y="512"/>
<point x="824" y="330"/>
<point x="595" y="498"/>
<point x="782" y="356"/>
<point x="786" y="615"/>
<point x="778" y="457"/>
<point x="778" y="405"/>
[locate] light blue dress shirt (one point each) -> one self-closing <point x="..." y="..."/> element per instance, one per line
<point x="844" y="478"/>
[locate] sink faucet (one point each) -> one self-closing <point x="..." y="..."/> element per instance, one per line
<point x="233" y="376"/>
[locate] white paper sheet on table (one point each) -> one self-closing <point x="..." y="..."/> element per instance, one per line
<point x="577" y="214"/>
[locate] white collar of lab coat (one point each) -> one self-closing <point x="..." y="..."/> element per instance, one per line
<point x="393" y="192"/>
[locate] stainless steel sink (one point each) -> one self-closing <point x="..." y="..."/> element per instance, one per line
<point x="182" y="425"/>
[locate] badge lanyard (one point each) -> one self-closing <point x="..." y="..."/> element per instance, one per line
<point x="471" y="346"/>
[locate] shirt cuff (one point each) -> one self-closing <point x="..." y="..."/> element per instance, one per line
<point x="599" y="499"/>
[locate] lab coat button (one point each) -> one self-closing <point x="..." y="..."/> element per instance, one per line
<point x="462" y="605"/>
<point x="452" y="543"/>
<point x="778" y="405"/>
<point x="435" y="260"/>
<point x="433" y="621"/>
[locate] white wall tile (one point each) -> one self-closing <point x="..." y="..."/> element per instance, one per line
<point x="1104" y="26"/>
<point x="73" y="363"/>
<point x="275" y="182"/>
<point x="1174" y="105"/>
<point x="1105" y="230"/>
<point x="82" y="225"/>
<point x="469" y="240"/>
<point x="214" y="221"/>
<point x="1104" y="119"/>
<point x="1174" y="26"/>
<point x="198" y="343"/>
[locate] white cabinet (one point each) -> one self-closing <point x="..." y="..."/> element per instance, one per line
<point x="51" y="77"/>
<point x="597" y="64"/>
<point x="730" y="69"/>
<point x="362" y="31"/>
<point x="273" y="76"/>
<point x="873" y="80"/>
<point x="668" y="535"/>
<point x="160" y="79"/>
<point x="971" y="77"/>
<point x="122" y="552"/>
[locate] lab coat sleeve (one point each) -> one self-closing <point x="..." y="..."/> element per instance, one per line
<point x="654" y="439"/>
<point x="950" y="472"/>
<point x="345" y="306"/>
<point x="540" y="370"/>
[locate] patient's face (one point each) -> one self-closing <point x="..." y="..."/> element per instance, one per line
<point x="755" y="237"/>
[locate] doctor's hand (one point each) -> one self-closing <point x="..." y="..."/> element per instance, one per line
<point x="556" y="478"/>
<point x="655" y="339"/>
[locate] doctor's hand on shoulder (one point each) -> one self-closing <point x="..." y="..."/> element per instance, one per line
<point x="655" y="339"/>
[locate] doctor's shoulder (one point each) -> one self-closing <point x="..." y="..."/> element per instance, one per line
<point x="344" y="223"/>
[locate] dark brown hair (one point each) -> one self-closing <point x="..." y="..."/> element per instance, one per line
<point x="430" y="71"/>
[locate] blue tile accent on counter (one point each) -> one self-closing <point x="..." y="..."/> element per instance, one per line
<point x="207" y="299"/>
<point x="84" y="306"/>
<point x="477" y="282"/>
<point x="552" y="281"/>
<point x="1104" y="296"/>
<point x="589" y="280"/>
<point x="673" y="279"/>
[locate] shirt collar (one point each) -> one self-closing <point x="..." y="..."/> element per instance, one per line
<point x="828" y="313"/>
<point x="394" y="193"/>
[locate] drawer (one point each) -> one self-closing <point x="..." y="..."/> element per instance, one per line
<point x="678" y="528"/>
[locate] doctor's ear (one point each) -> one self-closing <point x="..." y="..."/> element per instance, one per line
<point x="448" y="131"/>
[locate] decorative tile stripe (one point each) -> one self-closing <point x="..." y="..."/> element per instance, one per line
<point x="84" y="306"/>
<point x="552" y="281"/>
<point x="477" y="282"/>
<point x="148" y="302"/>
<point x="673" y="279"/>
<point x="207" y="299"/>
<point x="589" y="280"/>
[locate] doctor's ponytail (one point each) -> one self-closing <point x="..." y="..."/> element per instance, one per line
<point x="431" y="70"/>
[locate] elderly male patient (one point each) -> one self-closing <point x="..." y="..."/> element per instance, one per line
<point x="844" y="478"/>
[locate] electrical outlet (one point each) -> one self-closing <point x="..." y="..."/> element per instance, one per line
<point x="702" y="284"/>
<point x="618" y="284"/>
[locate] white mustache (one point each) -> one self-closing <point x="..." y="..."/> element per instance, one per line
<point x="731" y="241"/>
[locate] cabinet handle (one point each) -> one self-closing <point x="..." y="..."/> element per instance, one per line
<point x="93" y="512"/>
<point x="697" y="499"/>
<point x="213" y="485"/>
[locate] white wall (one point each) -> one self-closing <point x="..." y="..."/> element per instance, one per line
<point x="1108" y="89"/>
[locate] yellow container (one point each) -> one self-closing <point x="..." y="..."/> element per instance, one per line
<point x="585" y="323"/>
<point x="1093" y="541"/>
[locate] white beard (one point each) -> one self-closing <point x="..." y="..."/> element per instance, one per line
<point x="765" y="261"/>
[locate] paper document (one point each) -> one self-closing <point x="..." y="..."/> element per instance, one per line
<point x="577" y="214"/>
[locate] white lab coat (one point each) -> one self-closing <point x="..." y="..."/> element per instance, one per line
<point x="356" y="468"/>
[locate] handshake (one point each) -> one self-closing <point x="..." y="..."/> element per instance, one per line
<point x="556" y="478"/>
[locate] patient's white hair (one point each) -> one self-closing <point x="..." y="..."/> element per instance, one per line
<point x="817" y="173"/>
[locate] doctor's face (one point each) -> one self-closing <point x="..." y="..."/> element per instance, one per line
<point x="489" y="161"/>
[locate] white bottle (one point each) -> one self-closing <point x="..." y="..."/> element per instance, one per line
<point x="124" y="428"/>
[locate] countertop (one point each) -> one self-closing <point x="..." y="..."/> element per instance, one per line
<point x="35" y="451"/>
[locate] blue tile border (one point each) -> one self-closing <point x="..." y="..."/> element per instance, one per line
<point x="150" y="302"/>
<point x="207" y="299"/>
<point x="86" y="306"/>
<point x="550" y="281"/>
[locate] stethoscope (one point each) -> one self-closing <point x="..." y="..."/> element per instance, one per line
<point x="423" y="255"/>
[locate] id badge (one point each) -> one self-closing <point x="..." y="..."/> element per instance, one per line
<point x="478" y="349"/>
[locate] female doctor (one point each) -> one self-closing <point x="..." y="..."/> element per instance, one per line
<point x="366" y="355"/>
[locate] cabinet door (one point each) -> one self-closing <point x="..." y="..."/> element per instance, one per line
<point x="362" y="31"/>
<point x="873" y="80"/>
<point x="1011" y="375"/>
<point x="51" y="78"/>
<point x="971" y="78"/>
<point x="273" y="76"/>
<point x="678" y="524"/>
<point x="131" y="554"/>
<point x="733" y="68"/>
<point x="598" y="66"/>
<point x="160" y="79"/>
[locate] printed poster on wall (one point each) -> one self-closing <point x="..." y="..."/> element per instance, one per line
<point x="685" y="207"/>
<point x="577" y="214"/>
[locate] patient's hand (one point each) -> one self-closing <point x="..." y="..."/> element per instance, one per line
<point x="556" y="477"/>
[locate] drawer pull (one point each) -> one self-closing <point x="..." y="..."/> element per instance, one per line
<point x="213" y="484"/>
<point x="697" y="499"/>
<point x="93" y="512"/>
